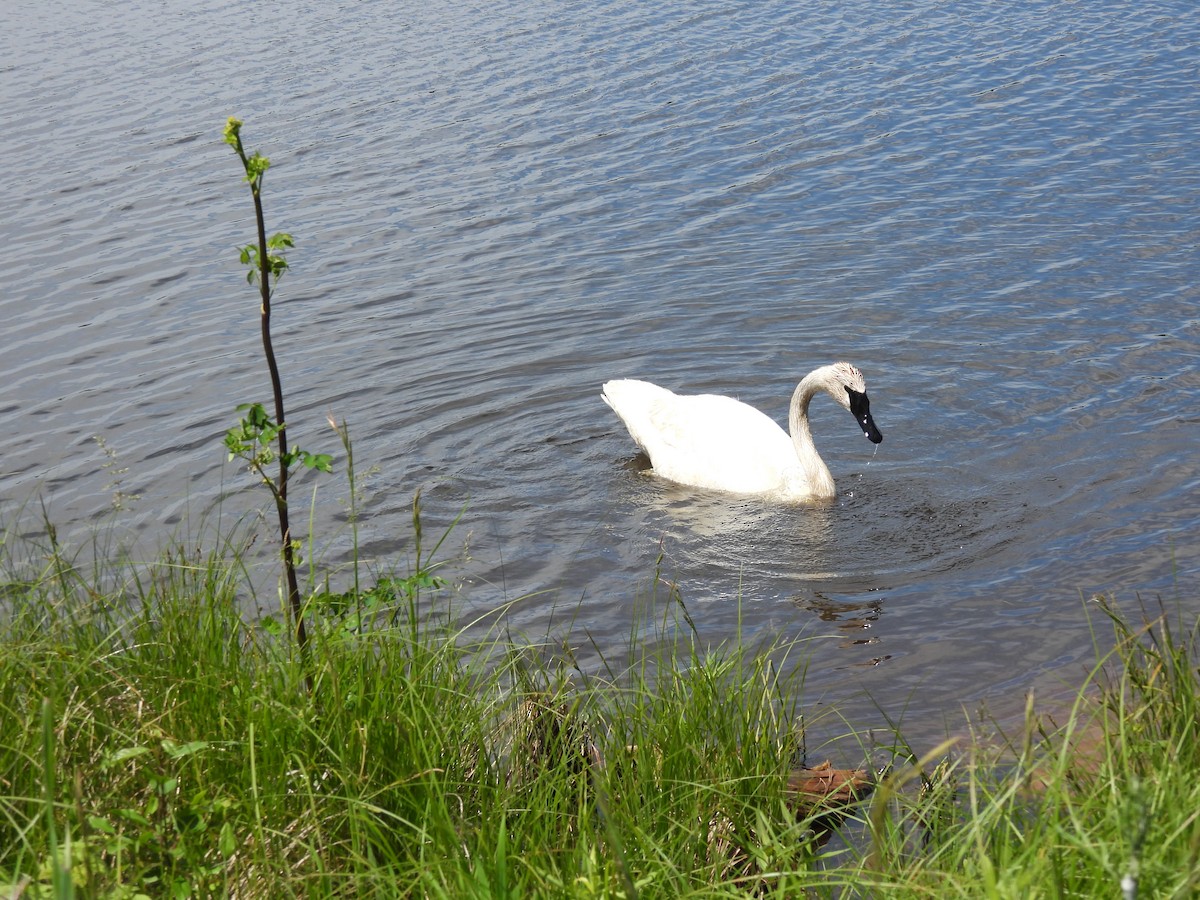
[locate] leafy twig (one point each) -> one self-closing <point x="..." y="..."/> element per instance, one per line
<point x="252" y="438"/>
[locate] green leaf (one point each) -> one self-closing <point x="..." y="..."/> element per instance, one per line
<point x="179" y="751"/>
<point x="101" y="824"/>
<point x="256" y="166"/>
<point x="322" y="462"/>
<point x="256" y="415"/>
<point x="125" y="753"/>
<point x="232" y="133"/>
<point x="132" y="815"/>
<point x="227" y="843"/>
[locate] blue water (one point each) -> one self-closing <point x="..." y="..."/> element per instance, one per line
<point x="991" y="210"/>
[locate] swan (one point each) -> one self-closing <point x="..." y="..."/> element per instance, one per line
<point x="716" y="442"/>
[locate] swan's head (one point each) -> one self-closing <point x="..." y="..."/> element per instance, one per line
<point x="849" y="388"/>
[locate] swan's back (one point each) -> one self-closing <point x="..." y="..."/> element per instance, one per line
<point x="704" y="440"/>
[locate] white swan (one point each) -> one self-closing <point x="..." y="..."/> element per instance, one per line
<point x="716" y="442"/>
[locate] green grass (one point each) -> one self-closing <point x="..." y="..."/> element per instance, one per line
<point x="155" y="742"/>
<point x="1108" y="804"/>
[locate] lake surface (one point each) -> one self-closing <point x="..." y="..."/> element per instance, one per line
<point x="993" y="210"/>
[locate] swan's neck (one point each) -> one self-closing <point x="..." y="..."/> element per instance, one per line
<point x="817" y="475"/>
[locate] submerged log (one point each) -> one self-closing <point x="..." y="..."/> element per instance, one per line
<point x="824" y="789"/>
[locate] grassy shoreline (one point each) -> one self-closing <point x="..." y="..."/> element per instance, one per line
<point x="154" y="742"/>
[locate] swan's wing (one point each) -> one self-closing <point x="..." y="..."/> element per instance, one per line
<point x="705" y="440"/>
<point x="722" y="443"/>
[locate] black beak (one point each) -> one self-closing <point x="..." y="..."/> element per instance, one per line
<point x="861" y="407"/>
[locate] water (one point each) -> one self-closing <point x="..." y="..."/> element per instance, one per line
<point x="991" y="211"/>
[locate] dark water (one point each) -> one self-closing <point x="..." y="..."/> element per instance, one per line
<point x="991" y="209"/>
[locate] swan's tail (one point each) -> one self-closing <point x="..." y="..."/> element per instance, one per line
<point x="635" y="401"/>
<point x="627" y="394"/>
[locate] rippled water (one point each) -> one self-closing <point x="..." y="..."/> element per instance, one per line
<point x="992" y="210"/>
